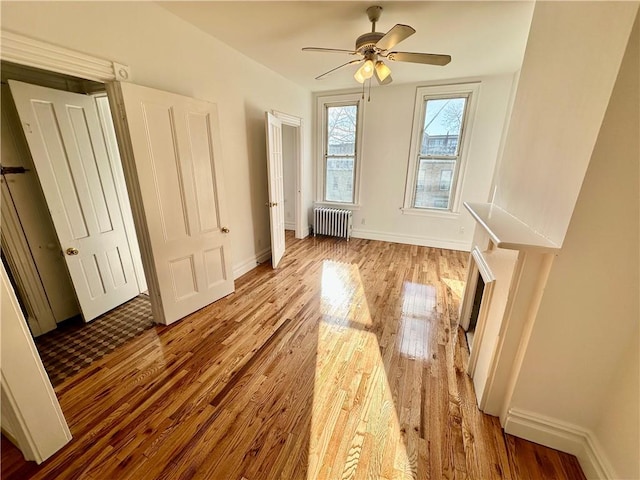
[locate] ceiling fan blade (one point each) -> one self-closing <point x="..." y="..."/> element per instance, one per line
<point x="320" y="77"/>
<point x="328" y="50"/>
<point x="394" y="36"/>
<point x="426" y="58"/>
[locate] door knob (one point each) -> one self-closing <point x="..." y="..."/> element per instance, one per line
<point x="72" y="251"/>
<point x="225" y="230"/>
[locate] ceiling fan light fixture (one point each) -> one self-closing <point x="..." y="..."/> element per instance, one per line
<point x="382" y="71"/>
<point x="366" y="70"/>
<point x="373" y="45"/>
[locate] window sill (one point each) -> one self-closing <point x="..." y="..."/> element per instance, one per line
<point x="423" y="212"/>
<point x="348" y="206"/>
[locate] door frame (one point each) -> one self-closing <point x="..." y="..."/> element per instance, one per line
<point x="29" y="52"/>
<point x="296" y="122"/>
<point x="31" y="413"/>
<point x="35" y="53"/>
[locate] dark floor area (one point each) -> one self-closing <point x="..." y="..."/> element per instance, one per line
<point x="75" y="345"/>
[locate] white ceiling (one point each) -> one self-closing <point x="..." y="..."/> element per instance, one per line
<point x="484" y="38"/>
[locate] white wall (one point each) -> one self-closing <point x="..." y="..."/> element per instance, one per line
<point x="289" y="176"/>
<point x="168" y="53"/>
<point x="581" y="364"/>
<point x="617" y="430"/>
<point x="570" y="65"/>
<point x="388" y="119"/>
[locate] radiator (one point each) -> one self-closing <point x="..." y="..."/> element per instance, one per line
<point x="332" y="221"/>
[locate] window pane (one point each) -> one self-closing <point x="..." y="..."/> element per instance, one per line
<point x="445" y="179"/>
<point x="442" y="125"/>
<point x="433" y="184"/>
<point x="339" y="179"/>
<point x="341" y="130"/>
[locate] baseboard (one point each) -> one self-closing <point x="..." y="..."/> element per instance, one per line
<point x="251" y="263"/>
<point x="412" y="240"/>
<point x="289" y="225"/>
<point x="563" y="436"/>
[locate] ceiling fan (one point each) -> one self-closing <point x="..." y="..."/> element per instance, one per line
<point x="374" y="46"/>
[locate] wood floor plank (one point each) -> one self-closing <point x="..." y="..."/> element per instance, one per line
<point x="344" y="363"/>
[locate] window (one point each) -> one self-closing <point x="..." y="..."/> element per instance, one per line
<point x="436" y="163"/>
<point x="339" y="119"/>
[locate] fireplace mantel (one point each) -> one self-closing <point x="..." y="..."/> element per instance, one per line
<point x="507" y="231"/>
<point x="519" y="260"/>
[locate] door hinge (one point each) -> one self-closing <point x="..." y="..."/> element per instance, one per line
<point x="12" y="170"/>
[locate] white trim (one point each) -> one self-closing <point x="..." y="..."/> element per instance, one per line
<point x="430" y="212"/>
<point x="289" y="225"/>
<point x="300" y="215"/>
<point x="563" y="436"/>
<point x="336" y="100"/>
<point x="250" y="263"/>
<point x="287" y="119"/>
<point x="411" y="240"/>
<point x="471" y="91"/>
<point x="23" y="50"/>
<point x="489" y="280"/>
<point x="39" y="425"/>
<point x="347" y="206"/>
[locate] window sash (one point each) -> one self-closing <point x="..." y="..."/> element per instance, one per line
<point x="334" y="173"/>
<point x="454" y="158"/>
<point x="457" y="162"/>
<point x="435" y="193"/>
<point x="352" y="179"/>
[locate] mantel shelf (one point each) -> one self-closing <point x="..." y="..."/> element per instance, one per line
<point x="507" y="231"/>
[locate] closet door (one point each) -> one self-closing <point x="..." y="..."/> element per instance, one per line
<point x="68" y="149"/>
<point x="172" y="158"/>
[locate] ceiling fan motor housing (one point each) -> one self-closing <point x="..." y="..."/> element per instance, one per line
<point x="366" y="43"/>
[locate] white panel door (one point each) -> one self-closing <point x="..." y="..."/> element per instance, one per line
<point x="173" y="149"/>
<point x="68" y="150"/>
<point x="276" y="187"/>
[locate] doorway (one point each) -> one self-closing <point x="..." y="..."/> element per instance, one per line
<point x="31" y="250"/>
<point x="289" y="171"/>
<point x="294" y="173"/>
<point x="186" y="251"/>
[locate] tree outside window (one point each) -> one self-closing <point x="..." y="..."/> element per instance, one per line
<point x="340" y="157"/>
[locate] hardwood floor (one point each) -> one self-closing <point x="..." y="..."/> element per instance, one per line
<point x="346" y="362"/>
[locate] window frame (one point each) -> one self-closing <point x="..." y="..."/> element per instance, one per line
<point x="423" y="94"/>
<point x="324" y="101"/>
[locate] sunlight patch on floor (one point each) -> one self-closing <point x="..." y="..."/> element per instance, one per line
<point x="418" y="308"/>
<point x="456" y="286"/>
<point x="355" y="428"/>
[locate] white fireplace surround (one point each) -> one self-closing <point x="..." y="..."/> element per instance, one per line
<point x="513" y="261"/>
